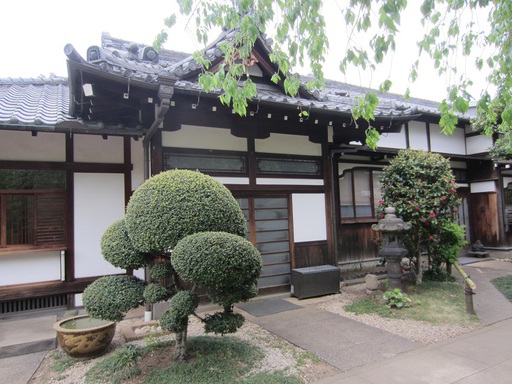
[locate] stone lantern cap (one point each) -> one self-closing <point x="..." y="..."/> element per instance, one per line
<point x="391" y="223"/>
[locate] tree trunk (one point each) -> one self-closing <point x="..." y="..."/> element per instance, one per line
<point x="419" y="270"/>
<point x="180" y="349"/>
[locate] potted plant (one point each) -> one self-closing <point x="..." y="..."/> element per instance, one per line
<point x="84" y="336"/>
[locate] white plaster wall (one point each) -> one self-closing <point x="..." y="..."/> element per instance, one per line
<point x="288" y="144"/>
<point x="483" y="187"/>
<point x="478" y="144"/>
<point x="453" y="144"/>
<point x="309" y="221"/>
<point x="29" y="267"/>
<point x="15" y="145"/>
<point x="99" y="201"/>
<point x="137" y="153"/>
<point x="271" y="181"/>
<point x="191" y="136"/>
<point x="233" y="180"/>
<point x="506" y="181"/>
<point x="418" y="135"/>
<point x="393" y="140"/>
<point x="94" y="149"/>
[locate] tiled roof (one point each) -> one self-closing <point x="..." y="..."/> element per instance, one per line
<point x="34" y="102"/>
<point x="141" y="62"/>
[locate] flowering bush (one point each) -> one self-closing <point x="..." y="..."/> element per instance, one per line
<point x="421" y="187"/>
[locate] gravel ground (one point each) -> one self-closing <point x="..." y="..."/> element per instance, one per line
<point x="418" y="331"/>
<point x="279" y="356"/>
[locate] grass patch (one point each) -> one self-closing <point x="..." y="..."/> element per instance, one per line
<point x="117" y="368"/>
<point x="504" y="285"/>
<point x="433" y="302"/>
<point x="61" y="363"/>
<point x="214" y="360"/>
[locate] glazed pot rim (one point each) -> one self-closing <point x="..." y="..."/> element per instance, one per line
<point x="57" y="326"/>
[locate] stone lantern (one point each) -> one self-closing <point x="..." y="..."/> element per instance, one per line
<point x="392" y="249"/>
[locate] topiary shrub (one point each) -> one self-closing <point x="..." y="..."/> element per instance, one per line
<point x="181" y="306"/>
<point x="222" y="323"/>
<point x="161" y="271"/>
<point x="195" y="220"/>
<point x="227" y="265"/>
<point x="118" y="250"/>
<point x="110" y="297"/>
<point x="153" y="293"/>
<point x="178" y="203"/>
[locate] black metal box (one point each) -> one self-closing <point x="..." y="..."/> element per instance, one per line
<point x="315" y="281"/>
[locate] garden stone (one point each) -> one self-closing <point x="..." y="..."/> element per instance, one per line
<point x="372" y="283"/>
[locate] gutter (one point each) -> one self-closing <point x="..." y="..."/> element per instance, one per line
<point x="165" y="93"/>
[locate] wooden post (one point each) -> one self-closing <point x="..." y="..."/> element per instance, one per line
<point x="469" y="288"/>
<point x="470" y="309"/>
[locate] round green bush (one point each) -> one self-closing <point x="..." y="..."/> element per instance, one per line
<point x="118" y="250"/>
<point x="160" y="271"/>
<point x="181" y="306"/>
<point x="223" y="322"/>
<point x="110" y="297"/>
<point x="178" y="203"/>
<point x="154" y="293"/>
<point x="227" y="265"/>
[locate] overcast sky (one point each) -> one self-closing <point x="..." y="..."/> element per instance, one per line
<point x="33" y="35"/>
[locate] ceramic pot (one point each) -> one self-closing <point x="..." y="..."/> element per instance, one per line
<point x="83" y="336"/>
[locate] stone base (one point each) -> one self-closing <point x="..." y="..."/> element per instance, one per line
<point x="141" y="329"/>
<point x="478" y="254"/>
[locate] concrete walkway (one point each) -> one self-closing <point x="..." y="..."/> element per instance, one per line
<point x="482" y="356"/>
<point x="365" y="354"/>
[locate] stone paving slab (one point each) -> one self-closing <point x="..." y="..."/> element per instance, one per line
<point x="19" y="369"/>
<point x="341" y="342"/>
<point x="460" y="360"/>
<point x="20" y="336"/>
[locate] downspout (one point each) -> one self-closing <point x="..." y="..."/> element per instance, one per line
<point x="165" y="93"/>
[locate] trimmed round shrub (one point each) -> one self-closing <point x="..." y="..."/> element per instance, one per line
<point x="110" y="297"/>
<point x="227" y="265"/>
<point x="161" y="271"/>
<point x="154" y="293"/>
<point x="118" y="250"/>
<point x="181" y="306"/>
<point x="223" y="322"/>
<point x="178" y="203"/>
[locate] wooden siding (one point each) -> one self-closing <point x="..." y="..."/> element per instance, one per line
<point x="484" y="218"/>
<point x="357" y="241"/>
<point x="311" y="253"/>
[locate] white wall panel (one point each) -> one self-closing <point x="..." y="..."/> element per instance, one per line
<point x="233" y="180"/>
<point x="478" y="144"/>
<point x="483" y="187"/>
<point x="15" y="145"/>
<point x="393" y="140"/>
<point x="99" y="201"/>
<point x="30" y="267"/>
<point x="506" y="181"/>
<point x="309" y="221"/>
<point x="191" y="136"/>
<point x="94" y="149"/>
<point x="453" y="144"/>
<point x="418" y="135"/>
<point x="288" y="144"/>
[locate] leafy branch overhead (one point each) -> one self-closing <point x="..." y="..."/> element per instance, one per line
<point x="298" y="29"/>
